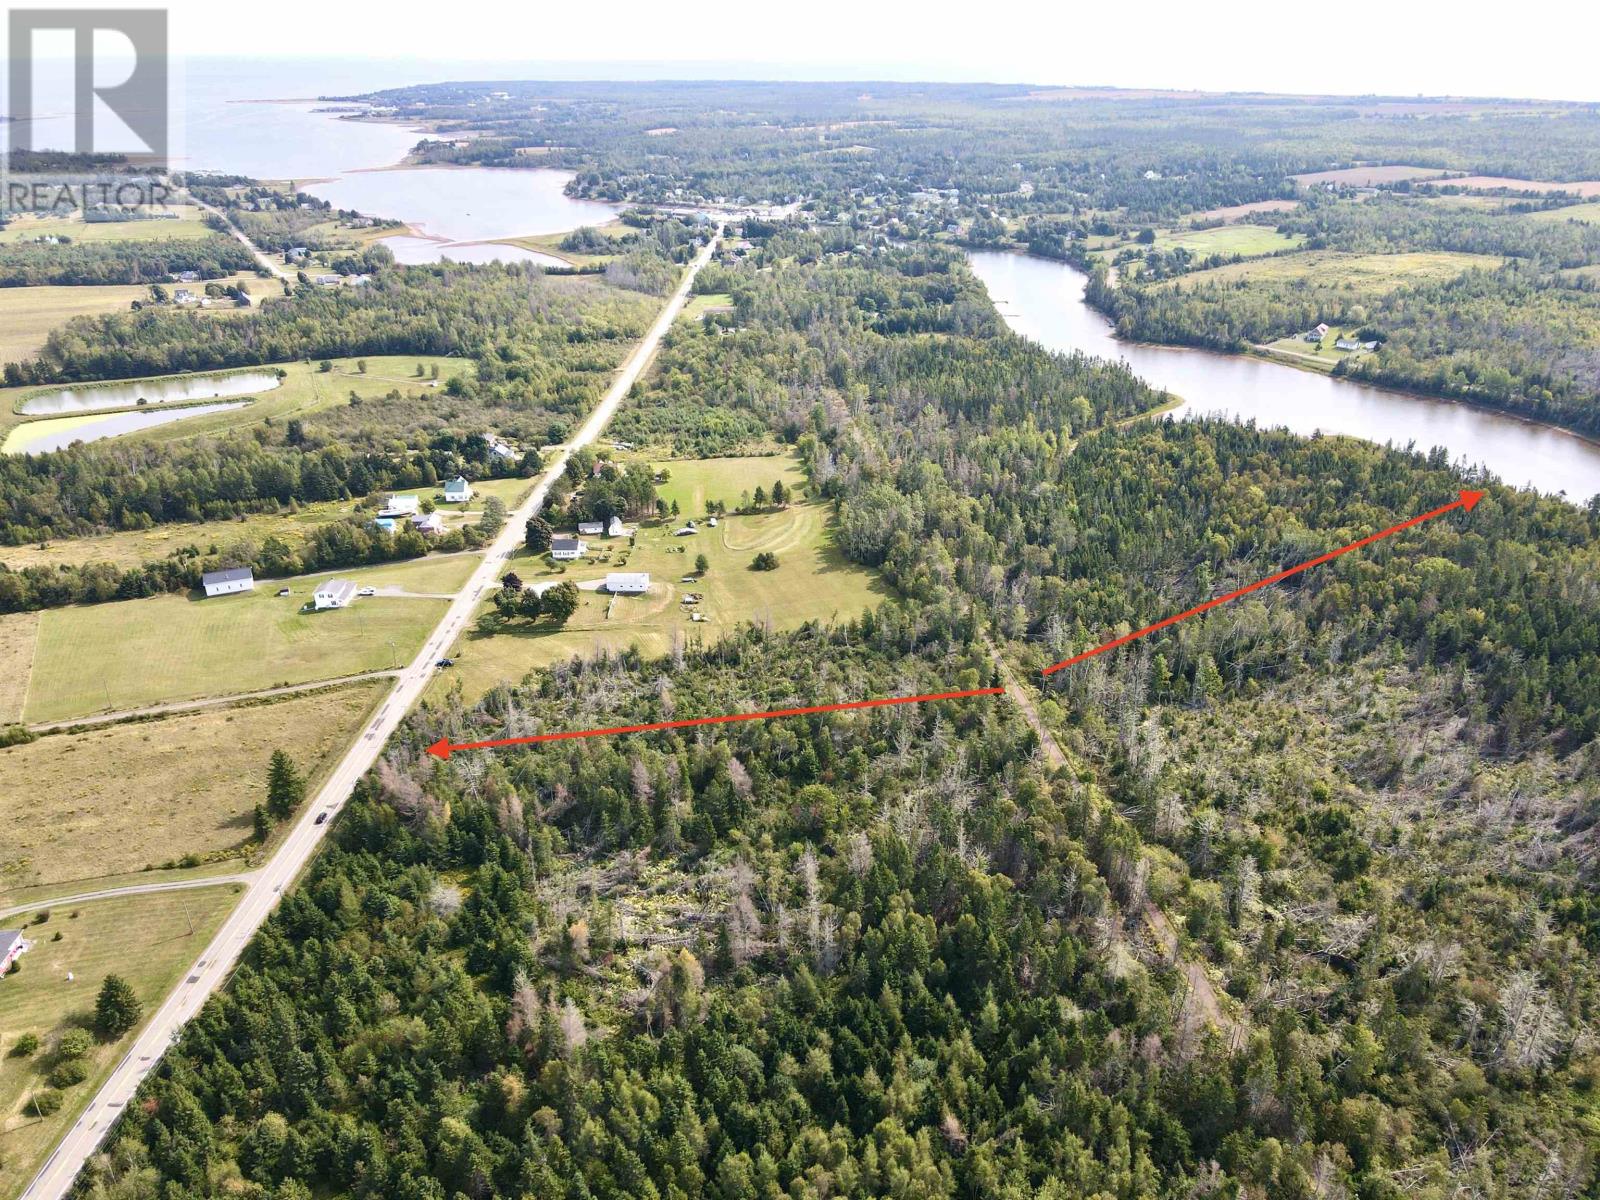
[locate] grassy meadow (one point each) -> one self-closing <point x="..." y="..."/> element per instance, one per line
<point x="148" y="940"/>
<point x="138" y="653"/>
<point x="200" y="776"/>
<point x="31" y="228"/>
<point x="1334" y="268"/>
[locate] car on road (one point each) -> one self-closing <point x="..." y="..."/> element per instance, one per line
<point x="445" y="662"/>
<point x="321" y="818"/>
<point x="367" y="591"/>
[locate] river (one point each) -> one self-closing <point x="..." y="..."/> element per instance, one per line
<point x="1043" y="300"/>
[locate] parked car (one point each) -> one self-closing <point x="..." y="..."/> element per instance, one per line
<point x="283" y="591"/>
<point x="367" y="591"/>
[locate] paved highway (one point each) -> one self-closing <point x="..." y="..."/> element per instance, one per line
<point x="216" y="962"/>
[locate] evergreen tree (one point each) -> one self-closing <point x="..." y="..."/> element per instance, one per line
<point x="286" y="787"/>
<point x="116" y="1009"/>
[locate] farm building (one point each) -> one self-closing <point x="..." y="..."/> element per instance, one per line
<point x="227" y="582"/>
<point x="334" y="593"/>
<point x="457" y="491"/>
<point x="429" y="523"/>
<point x="591" y="528"/>
<point x="616" y="528"/>
<point x="11" y="947"/>
<point x="628" y="583"/>
<point x="400" y="506"/>
<point x="568" y="549"/>
<point x="1347" y="344"/>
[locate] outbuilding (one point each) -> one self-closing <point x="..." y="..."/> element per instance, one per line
<point x="400" y="506"/>
<point x="591" y="528"/>
<point x="616" y="528"/>
<point x="228" y="581"/>
<point x="628" y="583"/>
<point x="12" y="944"/>
<point x="335" y="593"/>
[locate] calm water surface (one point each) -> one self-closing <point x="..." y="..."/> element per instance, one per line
<point x="1043" y="300"/>
<point x="151" y="391"/>
<point x="36" y="437"/>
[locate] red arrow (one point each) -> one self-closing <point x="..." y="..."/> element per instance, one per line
<point x="444" y="749"/>
<point x="1467" y="501"/>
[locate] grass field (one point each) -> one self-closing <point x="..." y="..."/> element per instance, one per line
<point x="137" y="653"/>
<point x="1234" y="212"/>
<point x="74" y="818"/>
<point x="1587" y="214"/>
<point x="1361" y="272"/>
<point x="1366" y="176"/>
<point x="1249" y="241"/>
<point x="711" y="302"/>
<point x="813" y="581"/>
<point x="28" y="228"/>
<point x="305" y="389"/>
<point x="18" y="633"/>
<point x="132" y="547"/>
<point x="148" y="940"/>
<point x="692" y="482"/>
<point x="27" y="315"/>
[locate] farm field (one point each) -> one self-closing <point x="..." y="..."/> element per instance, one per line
<point x="200" y="776"/>
<point x="148" y="940"/>
<point x="1332" y="268"/>
<point x="1586" y="214"/>
<point x="813" y="582"/>
<point x="1367" y="176"/>
<point x="137" y="653"/>
<point x="1234" y="212"/>
<point x="18" y="632"/>
<point x="29" y="228"/>
<point x="1226" y="240"/>
<point x="1582" y="187"/>
<point x="304" y="389"/>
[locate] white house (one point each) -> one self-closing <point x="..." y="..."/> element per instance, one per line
<point x="334" y="593"/>
<point x="616" y="528"/>
<point x="11" y="947"/>
<point x="591" y="528"/>
<point x="327" y="280"/>
<point x="457" y="491"/>
<point x="568" y="549"/>
<point x="429" y="523"/>
<point x="227" y="582"/>
<point x="401" y="506"/>
<point x="628" y="583"/>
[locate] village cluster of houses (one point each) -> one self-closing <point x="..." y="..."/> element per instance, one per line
<point x="570" y="549"/>
<point x="1321" y="330"/>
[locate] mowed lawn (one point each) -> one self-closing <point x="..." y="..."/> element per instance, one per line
<point x="28" y="314"/>
<point x="137" y="795"/>
<point x="813" y="582"/>
<point x="692" y="482"/>
<point x="136" y="653"/>
<point x="148" y="940"/>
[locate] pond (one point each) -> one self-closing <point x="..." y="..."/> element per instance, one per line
<point x="179" y="389"/>
<point x="1043" y="300"/>
<point x="37" y="437"/>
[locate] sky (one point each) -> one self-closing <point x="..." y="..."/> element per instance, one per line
<point x="1543" y="48"/>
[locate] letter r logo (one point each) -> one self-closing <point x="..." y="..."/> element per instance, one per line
<point x="140" y="101"/>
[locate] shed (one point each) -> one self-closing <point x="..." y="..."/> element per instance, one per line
<point x="591" y="528"/>
<point x="627" y="583"/>
<point x="228" y="581"/>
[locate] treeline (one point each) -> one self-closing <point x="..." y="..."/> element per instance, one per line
<point x="32" y="264"/>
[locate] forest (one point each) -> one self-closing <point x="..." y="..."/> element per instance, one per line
<point x="917" y="952"/>
<point x="157" y="260"/>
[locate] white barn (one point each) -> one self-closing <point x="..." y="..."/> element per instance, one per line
<point x="333" y="593"/>
<point x="227" y="582"/>
<point x="628" y="583"/>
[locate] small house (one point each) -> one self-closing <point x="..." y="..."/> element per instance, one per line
<point x="628" y="583"/>
<point x="1347" y="344"/>
<point x="616" y="528"/>
<point x="457" y="491"/>
<point x="568" y="549"/>
<point x="228" y="581"/>
<point x="431" y="524"/>
<point x="591" y="528"/>
<point x="327" y="280"/>
<point x="185" y="296"/>
<point x="12" y="944"/>
<point x="295" y="252"/>
<point x="400" y="506"/>
<point x="187" y="276"/>
<point x="1320" y="330"/>
<point x="334" y="593"/>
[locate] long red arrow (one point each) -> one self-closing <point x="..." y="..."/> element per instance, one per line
<point x="1466" y="501"/>
<point x="444" y="749"/>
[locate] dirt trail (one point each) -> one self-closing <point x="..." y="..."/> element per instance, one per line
<point x="1156" y="921"/>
